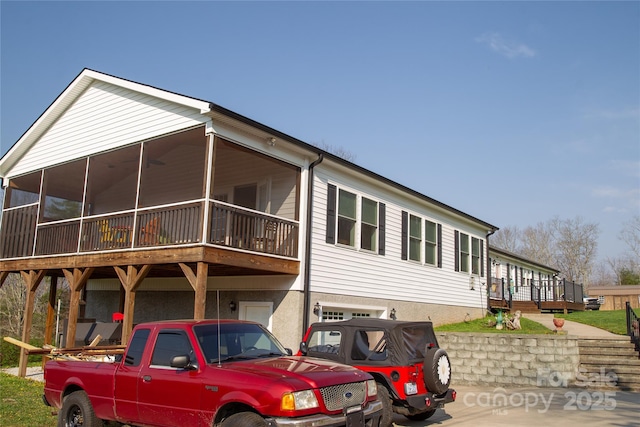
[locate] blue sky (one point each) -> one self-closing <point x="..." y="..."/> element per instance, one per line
<point x="513" y="112"/>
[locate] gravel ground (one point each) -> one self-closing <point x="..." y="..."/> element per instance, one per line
<point x="33" y="373"/>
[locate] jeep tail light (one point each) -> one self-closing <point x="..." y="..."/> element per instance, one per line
<point x="454" y="395"/>
<point x="427" y="401"/>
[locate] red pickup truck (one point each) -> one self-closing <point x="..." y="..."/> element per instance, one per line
<point x="208" y="373"/>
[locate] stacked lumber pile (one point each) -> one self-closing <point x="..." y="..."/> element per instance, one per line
<point x="88" y="352"/>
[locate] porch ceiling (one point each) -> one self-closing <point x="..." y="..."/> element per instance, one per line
<point x="165" y="262"/>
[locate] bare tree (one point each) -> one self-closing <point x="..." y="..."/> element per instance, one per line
<point x="602" y="274"/>
<point x="630" y="234"/>
<point x="506" y="238"/>
<point x="538" y="243"/>
<point x="576" y="247"/>
<point x="567" y="245"/>
<point x="338" y="151"/>
<point x="13" y="295"/>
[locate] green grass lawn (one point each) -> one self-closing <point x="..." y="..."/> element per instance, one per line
<point x="21" y="403"/>
<point x="610" y="320"/>
<point x="482" y="325"/>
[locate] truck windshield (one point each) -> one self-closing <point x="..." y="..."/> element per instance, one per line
<point x="237" y="341"/>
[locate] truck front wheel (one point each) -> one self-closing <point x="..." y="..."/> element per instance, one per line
<point x="387" y="406"/>
<point x="244" y="419"/>
<point x="77" y="411"/>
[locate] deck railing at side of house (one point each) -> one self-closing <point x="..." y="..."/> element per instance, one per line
<point x="633" y="327"/>
<point x="171" y="225"/>
<point x="538" y="291"/>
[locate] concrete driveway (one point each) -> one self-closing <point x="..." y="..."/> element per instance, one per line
<point x="540" y="407"/>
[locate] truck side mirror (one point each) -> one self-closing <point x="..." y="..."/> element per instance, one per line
<point x="182" y="362"/>
<point x="304" y="348"/>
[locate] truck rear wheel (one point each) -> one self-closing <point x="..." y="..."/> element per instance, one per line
<point x="77" y="411"/>
<point x="244" y="419"/>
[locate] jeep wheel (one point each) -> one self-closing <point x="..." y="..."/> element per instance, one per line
<point x="244" y="419"/>
<point x="437" y="370"/>
<point x="386" y="420"/>
<point x="421" y="416"/>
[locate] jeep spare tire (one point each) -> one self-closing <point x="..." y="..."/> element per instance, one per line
<point x="437" y="370"/>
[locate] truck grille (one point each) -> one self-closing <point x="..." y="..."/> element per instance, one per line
<point x="342" y="396"/>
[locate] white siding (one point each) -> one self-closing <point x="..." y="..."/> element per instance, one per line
<point x="105" y="117"/>
<point x="347" y="271"/>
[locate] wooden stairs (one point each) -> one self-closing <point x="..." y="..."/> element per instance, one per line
<point x="525" y="307"/>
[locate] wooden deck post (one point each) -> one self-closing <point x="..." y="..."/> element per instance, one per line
<point x="32" y="280"/>
<point x="131" y="280"/>
<point x="77" y="280"/>
<point x="199" y="284"/>
<point x="51" y="314"/>
<point x="3" y="277"/>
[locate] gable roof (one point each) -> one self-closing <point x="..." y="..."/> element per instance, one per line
<point x="70" y="94"/>
<point x="87" y="77"/>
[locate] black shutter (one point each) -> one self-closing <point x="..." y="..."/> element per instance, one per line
<point x="456" y="249"/>
<point x="439" y="243"/>
<point x="331" y="214"/>
<point x="481" y="258"/>
<point x="381" y="227"/>
<point x="405" y="225"/>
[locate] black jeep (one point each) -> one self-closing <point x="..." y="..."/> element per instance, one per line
<point x="412" y="372"/>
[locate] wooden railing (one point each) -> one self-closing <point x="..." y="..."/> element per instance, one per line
<point x="229" y="226"/>
<point x="104" y="233"/>
<point x="18" y="231"/>
<point x="537" y="291"/>
<point x="236" y="227"/>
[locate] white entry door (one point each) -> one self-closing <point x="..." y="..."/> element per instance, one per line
<point x="256" y="311"/>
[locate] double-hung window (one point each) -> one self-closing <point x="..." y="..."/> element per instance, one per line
<point x="354" y="220"/>
<point x="430" y="242"/>
<point x="347" y="218"/>
<point x="475" y="255"/>
<point x="415" y="238"/>
<point x="421" y="240"/>
<point x="369" y="225"/>
<point x="469" y="254"/>
<point x="464" y="252"/>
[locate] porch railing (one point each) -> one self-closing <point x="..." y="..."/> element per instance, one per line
<point x="537" y="291"/>
<point x="228" y="225"/>
<point x="236" y="227"/>
<point x="633" y="327"/>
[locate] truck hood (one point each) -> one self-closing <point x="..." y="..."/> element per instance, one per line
<point x="318" y="372"/>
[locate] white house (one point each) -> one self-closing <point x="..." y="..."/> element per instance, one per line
<point x="158" y="205"/>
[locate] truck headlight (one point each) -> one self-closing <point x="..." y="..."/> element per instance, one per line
<point x="299" y="400"/>
<point x="372" y="388"/>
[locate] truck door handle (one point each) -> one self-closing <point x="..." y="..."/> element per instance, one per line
<point x="146" y="378"/>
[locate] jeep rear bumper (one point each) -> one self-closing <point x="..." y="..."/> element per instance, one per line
<point x="423" y="402"/>
<point x="372" y="413"/>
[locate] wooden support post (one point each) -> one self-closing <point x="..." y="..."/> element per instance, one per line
<point x="77" y="280"/>
<point x="3" y="277"/>
<point x="51" y="314"/>
<point x="131" y="280"/>
<point x="32" y="280"/>
<point x="199" y="284"/>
